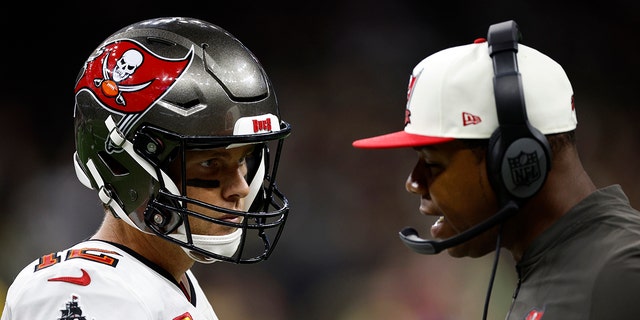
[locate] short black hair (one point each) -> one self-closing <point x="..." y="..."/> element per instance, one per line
<point x="557" y="142"/>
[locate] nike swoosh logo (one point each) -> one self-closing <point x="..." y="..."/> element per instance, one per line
<point x="83" y="280"/>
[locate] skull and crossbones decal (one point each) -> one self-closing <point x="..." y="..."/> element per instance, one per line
<point x="125" y="66"/>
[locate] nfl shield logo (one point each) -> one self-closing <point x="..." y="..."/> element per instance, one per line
<point x="525" y="168"/>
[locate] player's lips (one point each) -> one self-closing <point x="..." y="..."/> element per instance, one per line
<point x="231" y="218"/>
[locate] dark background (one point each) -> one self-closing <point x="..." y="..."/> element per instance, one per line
<point x="340" y="69"/>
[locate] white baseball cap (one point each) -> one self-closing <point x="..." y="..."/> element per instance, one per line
<point x="450" y="96"/>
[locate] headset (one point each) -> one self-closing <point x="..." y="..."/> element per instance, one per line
<point x="518" y="155"/>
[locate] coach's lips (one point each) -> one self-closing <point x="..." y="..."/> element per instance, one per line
<point x="436" y="227"/>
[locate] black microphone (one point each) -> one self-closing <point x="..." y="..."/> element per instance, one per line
<point x="412" y="240"/>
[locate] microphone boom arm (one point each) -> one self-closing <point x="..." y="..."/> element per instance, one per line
<point x="411" y="239"/>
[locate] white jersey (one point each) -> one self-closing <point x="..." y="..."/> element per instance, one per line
<point x="95" y="280"/>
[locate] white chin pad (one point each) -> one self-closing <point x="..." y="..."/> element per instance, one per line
<point x="225" y="245"/>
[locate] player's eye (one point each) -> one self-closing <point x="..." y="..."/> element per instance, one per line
<point x="210" y="163"/>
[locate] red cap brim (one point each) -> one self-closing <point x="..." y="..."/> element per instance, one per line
<point x="398" y="139"/>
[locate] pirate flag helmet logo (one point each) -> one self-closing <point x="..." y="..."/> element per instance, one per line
<point x="125" y="67"/>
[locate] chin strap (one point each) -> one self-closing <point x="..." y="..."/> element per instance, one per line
<point x="224" y="245"/>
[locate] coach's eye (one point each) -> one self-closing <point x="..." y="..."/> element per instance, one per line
<point x="433" y="168"/>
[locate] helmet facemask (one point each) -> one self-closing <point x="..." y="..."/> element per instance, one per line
<point x="172" y="215"/>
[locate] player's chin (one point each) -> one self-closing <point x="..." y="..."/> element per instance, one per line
<point x="223" y="231"/>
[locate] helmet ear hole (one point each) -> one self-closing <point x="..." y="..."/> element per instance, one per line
<point x="116" y="168"/>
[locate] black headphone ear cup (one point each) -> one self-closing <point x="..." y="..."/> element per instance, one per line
<point x="518" y="169"/>
<point x="523" y="165"/>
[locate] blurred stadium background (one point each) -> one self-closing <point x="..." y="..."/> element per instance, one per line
<point x="340" y="69"/>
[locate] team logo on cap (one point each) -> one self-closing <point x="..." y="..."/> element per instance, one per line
<point x="407" y="112"/>
<point x="407" y="116"/>
<point x="127" y="77"/>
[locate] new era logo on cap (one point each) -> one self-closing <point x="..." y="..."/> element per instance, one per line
<point x="468" y="119"/>
<point x="450" y="96"/>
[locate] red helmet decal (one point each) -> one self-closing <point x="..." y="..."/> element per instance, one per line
<point x="127" y="77"/>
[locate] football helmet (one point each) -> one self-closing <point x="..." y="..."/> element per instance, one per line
<point x="153" y="91"/>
